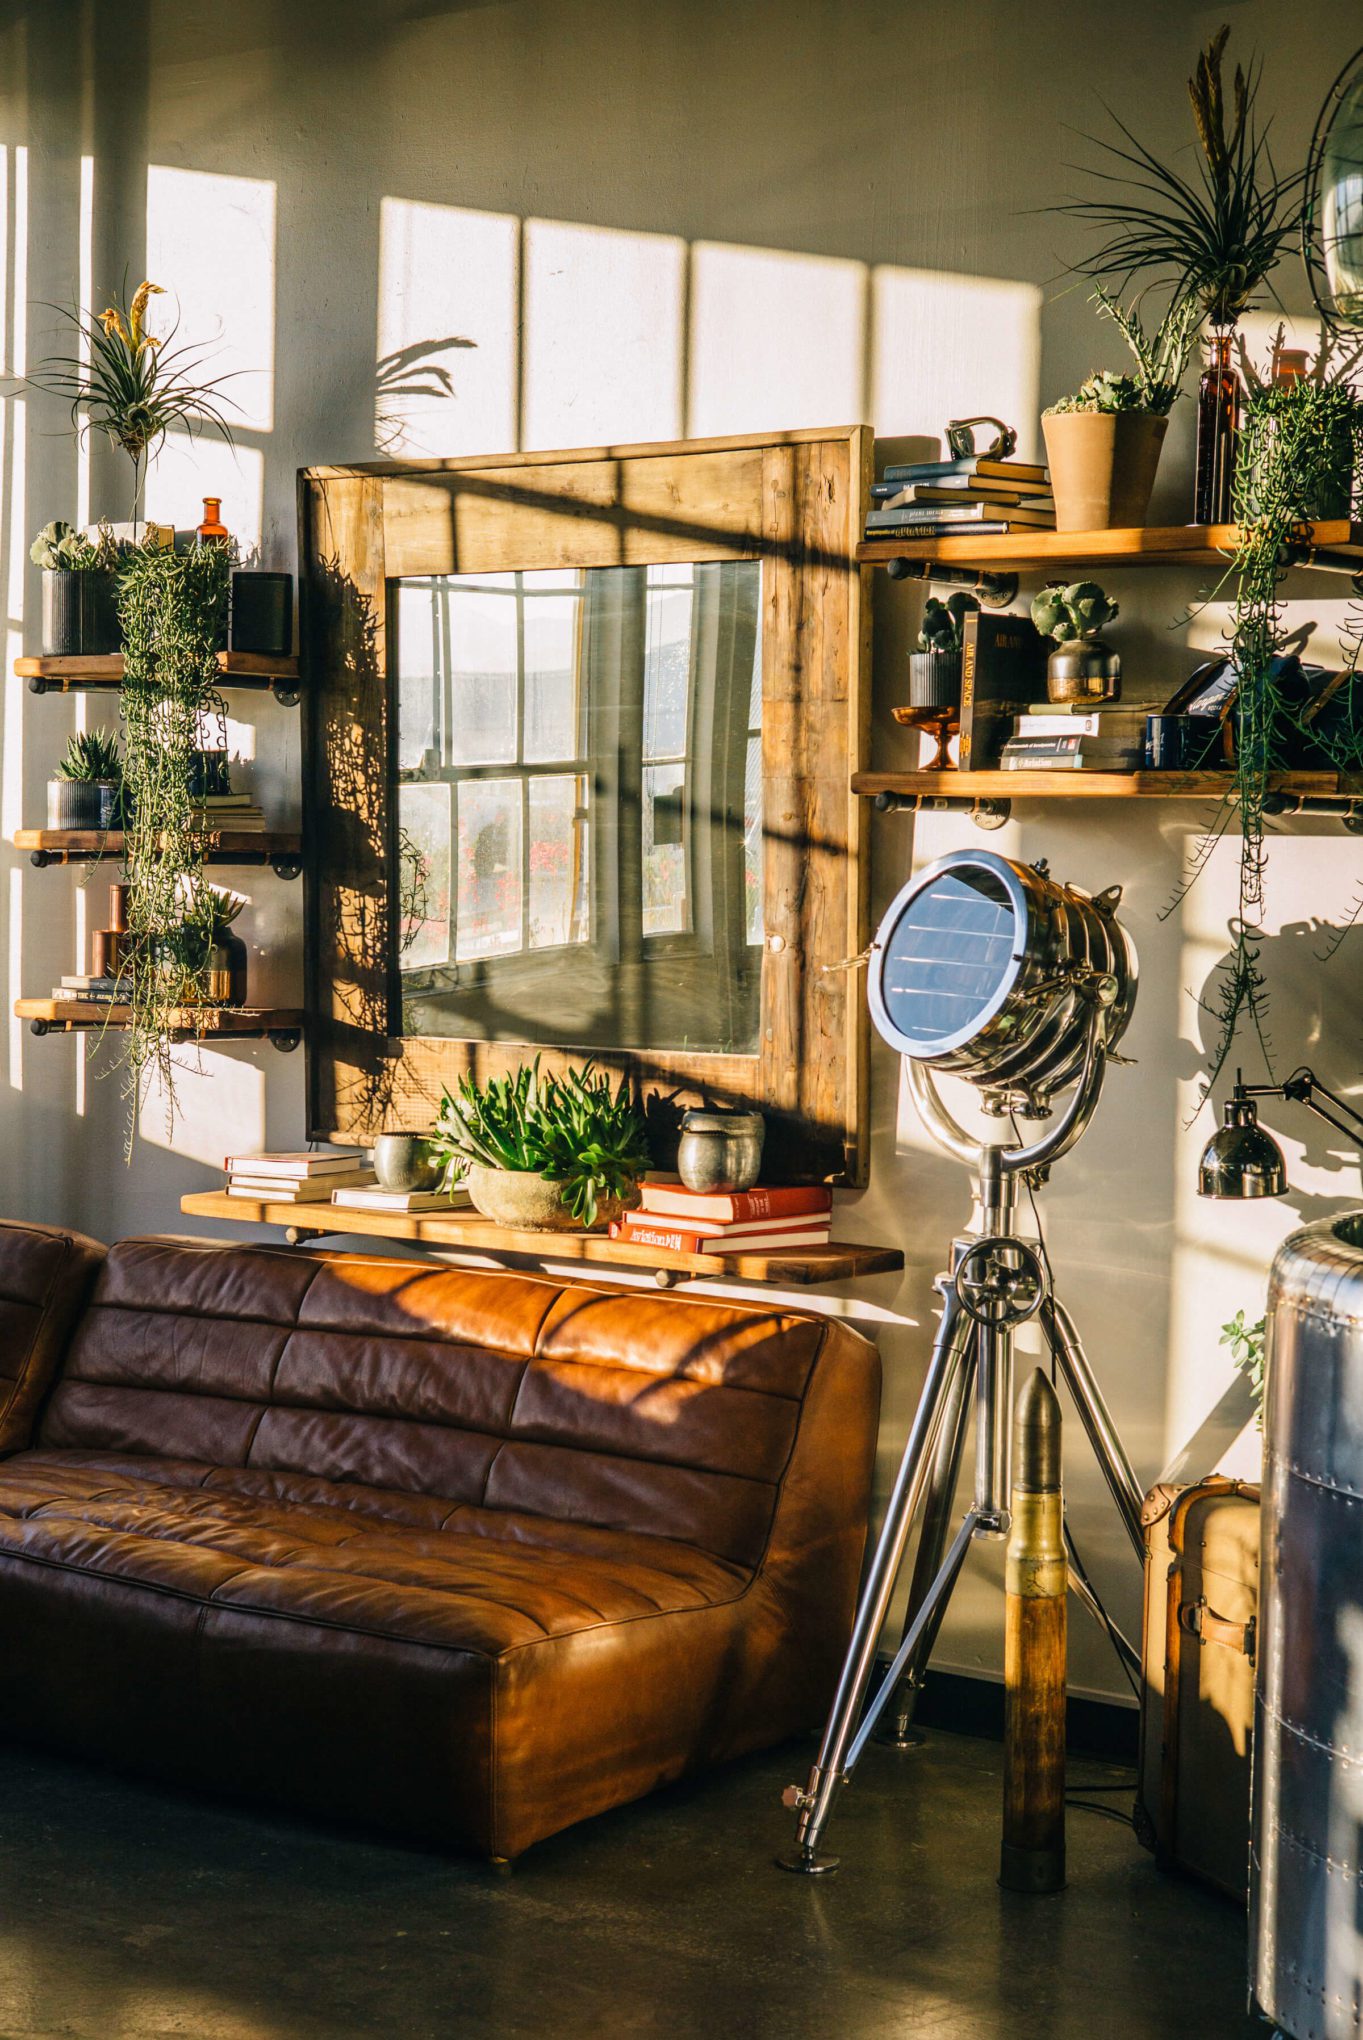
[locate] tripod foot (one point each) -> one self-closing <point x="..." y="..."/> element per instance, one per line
<point x="807" y="1862"/>
<point x="899" y="1735"/>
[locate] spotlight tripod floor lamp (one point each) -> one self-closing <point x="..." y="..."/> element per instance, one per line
<point x="993" y="971"/>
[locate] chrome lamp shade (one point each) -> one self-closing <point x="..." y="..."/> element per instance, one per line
<point x="987" y="969"/>
<point x="1241" y="1159"/>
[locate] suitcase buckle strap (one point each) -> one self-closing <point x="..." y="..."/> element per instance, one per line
<point x="1198" y="1619"/>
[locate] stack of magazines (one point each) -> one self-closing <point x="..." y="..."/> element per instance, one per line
<point x="978" y="494"/>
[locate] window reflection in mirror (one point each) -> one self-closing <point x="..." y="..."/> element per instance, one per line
<point x="579" y="806"/>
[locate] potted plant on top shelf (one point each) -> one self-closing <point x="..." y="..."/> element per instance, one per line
<point x="545" y="1153"/>
<point x="79" y="616"/>
<point x="1103" y="442"/>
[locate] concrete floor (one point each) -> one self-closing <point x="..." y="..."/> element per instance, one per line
<point x="129" y="1914"/>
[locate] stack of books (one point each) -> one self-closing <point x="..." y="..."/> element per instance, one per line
<point x="714" y="1222"/>
<point x="230" y="811"/>
<point x="83" y="990"/>
<point x="301" y="1178"/>
<point x="456" y="1198"/>
<point x="979" y="494"/>
<point x="1057" y="736"/>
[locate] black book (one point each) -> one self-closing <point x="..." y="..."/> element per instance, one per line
<point x="1003" y="668"/>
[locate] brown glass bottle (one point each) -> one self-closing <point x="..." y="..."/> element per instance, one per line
<point x="1218" y="423"/>
<point x="212" y="531"/>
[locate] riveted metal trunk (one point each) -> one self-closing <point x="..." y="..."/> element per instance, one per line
<point x="1306" y="1889"/>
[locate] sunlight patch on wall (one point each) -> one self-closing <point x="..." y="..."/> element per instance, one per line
<point x="449" y="307"/>
<point x="211" y="247"/>
<point x="603" y="325"/>
<point x="18" y="351"/>
<point x="85" y="291"/>
<point x="13" y="441"/>
<point x="777" y="340"/>
<point x="219" y="1108"/>
<point x="15" y="960"/>
<point x="186" y="470"/>
<point x="951" y="347"/>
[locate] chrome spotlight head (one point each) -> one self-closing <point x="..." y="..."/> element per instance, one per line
<point x="1241" y="1159"/>
<point x="989" y="970"/>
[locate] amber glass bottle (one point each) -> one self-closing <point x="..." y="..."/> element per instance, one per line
<point x="212" y="531"/>
<point x="1218" y="422"/>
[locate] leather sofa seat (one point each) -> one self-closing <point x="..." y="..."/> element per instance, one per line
<point x="469" y="1555"/>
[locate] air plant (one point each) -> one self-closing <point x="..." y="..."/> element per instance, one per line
<point x="1214" y="235"/>
<point x="135" y="385"/>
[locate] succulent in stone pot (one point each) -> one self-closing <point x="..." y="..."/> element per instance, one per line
<point x="546" y="1153"/>
<point x="86" y="790"/>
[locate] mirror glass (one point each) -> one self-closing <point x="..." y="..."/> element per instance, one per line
<point x="579" y="759"/>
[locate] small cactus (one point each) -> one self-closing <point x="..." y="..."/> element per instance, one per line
<point x="1079" y="611"/>
<point x="943" y="624"/>
<point x="92" y="755"/>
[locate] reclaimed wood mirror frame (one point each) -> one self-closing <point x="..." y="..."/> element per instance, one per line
<point x="795" y="503"/>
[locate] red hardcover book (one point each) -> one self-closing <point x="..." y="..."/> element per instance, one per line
<point x="677" y="1241"/>
<point x="789" y="1201"/>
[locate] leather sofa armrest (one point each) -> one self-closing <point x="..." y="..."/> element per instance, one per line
<point x="46" y="1275"/>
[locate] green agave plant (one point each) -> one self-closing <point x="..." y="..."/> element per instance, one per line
<point x="575" y="1129"/>
<point x="91" y="755"/>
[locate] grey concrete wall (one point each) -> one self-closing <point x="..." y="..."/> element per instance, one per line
<point x="649" y="218"/>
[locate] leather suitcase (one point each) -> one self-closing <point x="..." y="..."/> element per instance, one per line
<point x="1197" y="1701"/>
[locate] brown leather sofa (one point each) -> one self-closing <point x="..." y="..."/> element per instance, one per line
<point x="469" y="1555"/>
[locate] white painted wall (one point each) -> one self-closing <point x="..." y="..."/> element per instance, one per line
<point x="633" y="221"/>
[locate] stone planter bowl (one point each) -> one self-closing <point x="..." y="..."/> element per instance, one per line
<point x="529" y="1203"/>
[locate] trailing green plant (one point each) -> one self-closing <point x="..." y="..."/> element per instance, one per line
<point x="131" y="384"/>
<point x="943" y="625"/>
<point x="575" y="1130"/>
<point x="172" y="608"/>
<point x="1247" y="1350"/>
<point x="1295" y="440"/>
<point x="90" y="756"/>
<point x="1079" y="611"/>
<point x="1213" y="236"/>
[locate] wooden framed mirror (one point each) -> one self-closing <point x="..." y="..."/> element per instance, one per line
<point x="579" y="731"/>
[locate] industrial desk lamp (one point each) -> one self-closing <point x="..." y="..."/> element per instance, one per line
<point x="987" y="970"/>
<point x="1242" y="1159"/>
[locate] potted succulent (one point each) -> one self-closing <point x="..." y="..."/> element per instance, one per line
<point x="1082" y="667"/>
<point x="544" y="1153"/>
<point x="1103" y="442"/>
<point x="199" y="960"/>
<point x="79" y="616"/>
<point x="86" y="790"/>
<point x="935" y="667"/>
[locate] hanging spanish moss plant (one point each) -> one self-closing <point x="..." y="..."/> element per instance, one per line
<point x="1299" y="459"/>
<point x="172" y="609"/>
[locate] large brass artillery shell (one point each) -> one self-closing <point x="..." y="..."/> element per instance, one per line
<point x="1033" y="1852"/>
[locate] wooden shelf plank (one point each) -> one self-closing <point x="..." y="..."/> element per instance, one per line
<point x="222" y="845"/>
<point x="952" y="785"/>
<point x="1189" y="545"/>
<point x="73" y="1014"/>
<point x="63" y="676"/>
<point x="468" y="1229"/>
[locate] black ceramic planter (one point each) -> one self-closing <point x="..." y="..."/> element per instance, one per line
<point x="80" y="615"/>
<point x="934" y="679"/>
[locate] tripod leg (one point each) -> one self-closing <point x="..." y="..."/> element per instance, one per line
<point x="815" y="1801"/>
<point x="1094" y="1415"/>
<point x="898" y="1731"/>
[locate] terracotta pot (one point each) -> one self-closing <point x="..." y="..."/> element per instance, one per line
<point x="529" y="1203"/>
<point x="1102" y="467"/>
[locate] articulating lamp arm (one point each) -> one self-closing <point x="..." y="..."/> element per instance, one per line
<point x="1304" y="1087"/>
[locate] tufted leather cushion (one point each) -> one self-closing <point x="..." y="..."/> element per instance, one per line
<point x="469" y="1554"/>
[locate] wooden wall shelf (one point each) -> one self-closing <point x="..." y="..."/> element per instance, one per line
<point x="236" y="669"/>
<point x="468" y="1229"/>
<point x="282" y="851"/>
<point x="1336" y="544"/>
<point x="967" y="786"/>
<point x="281" y="1025"/>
